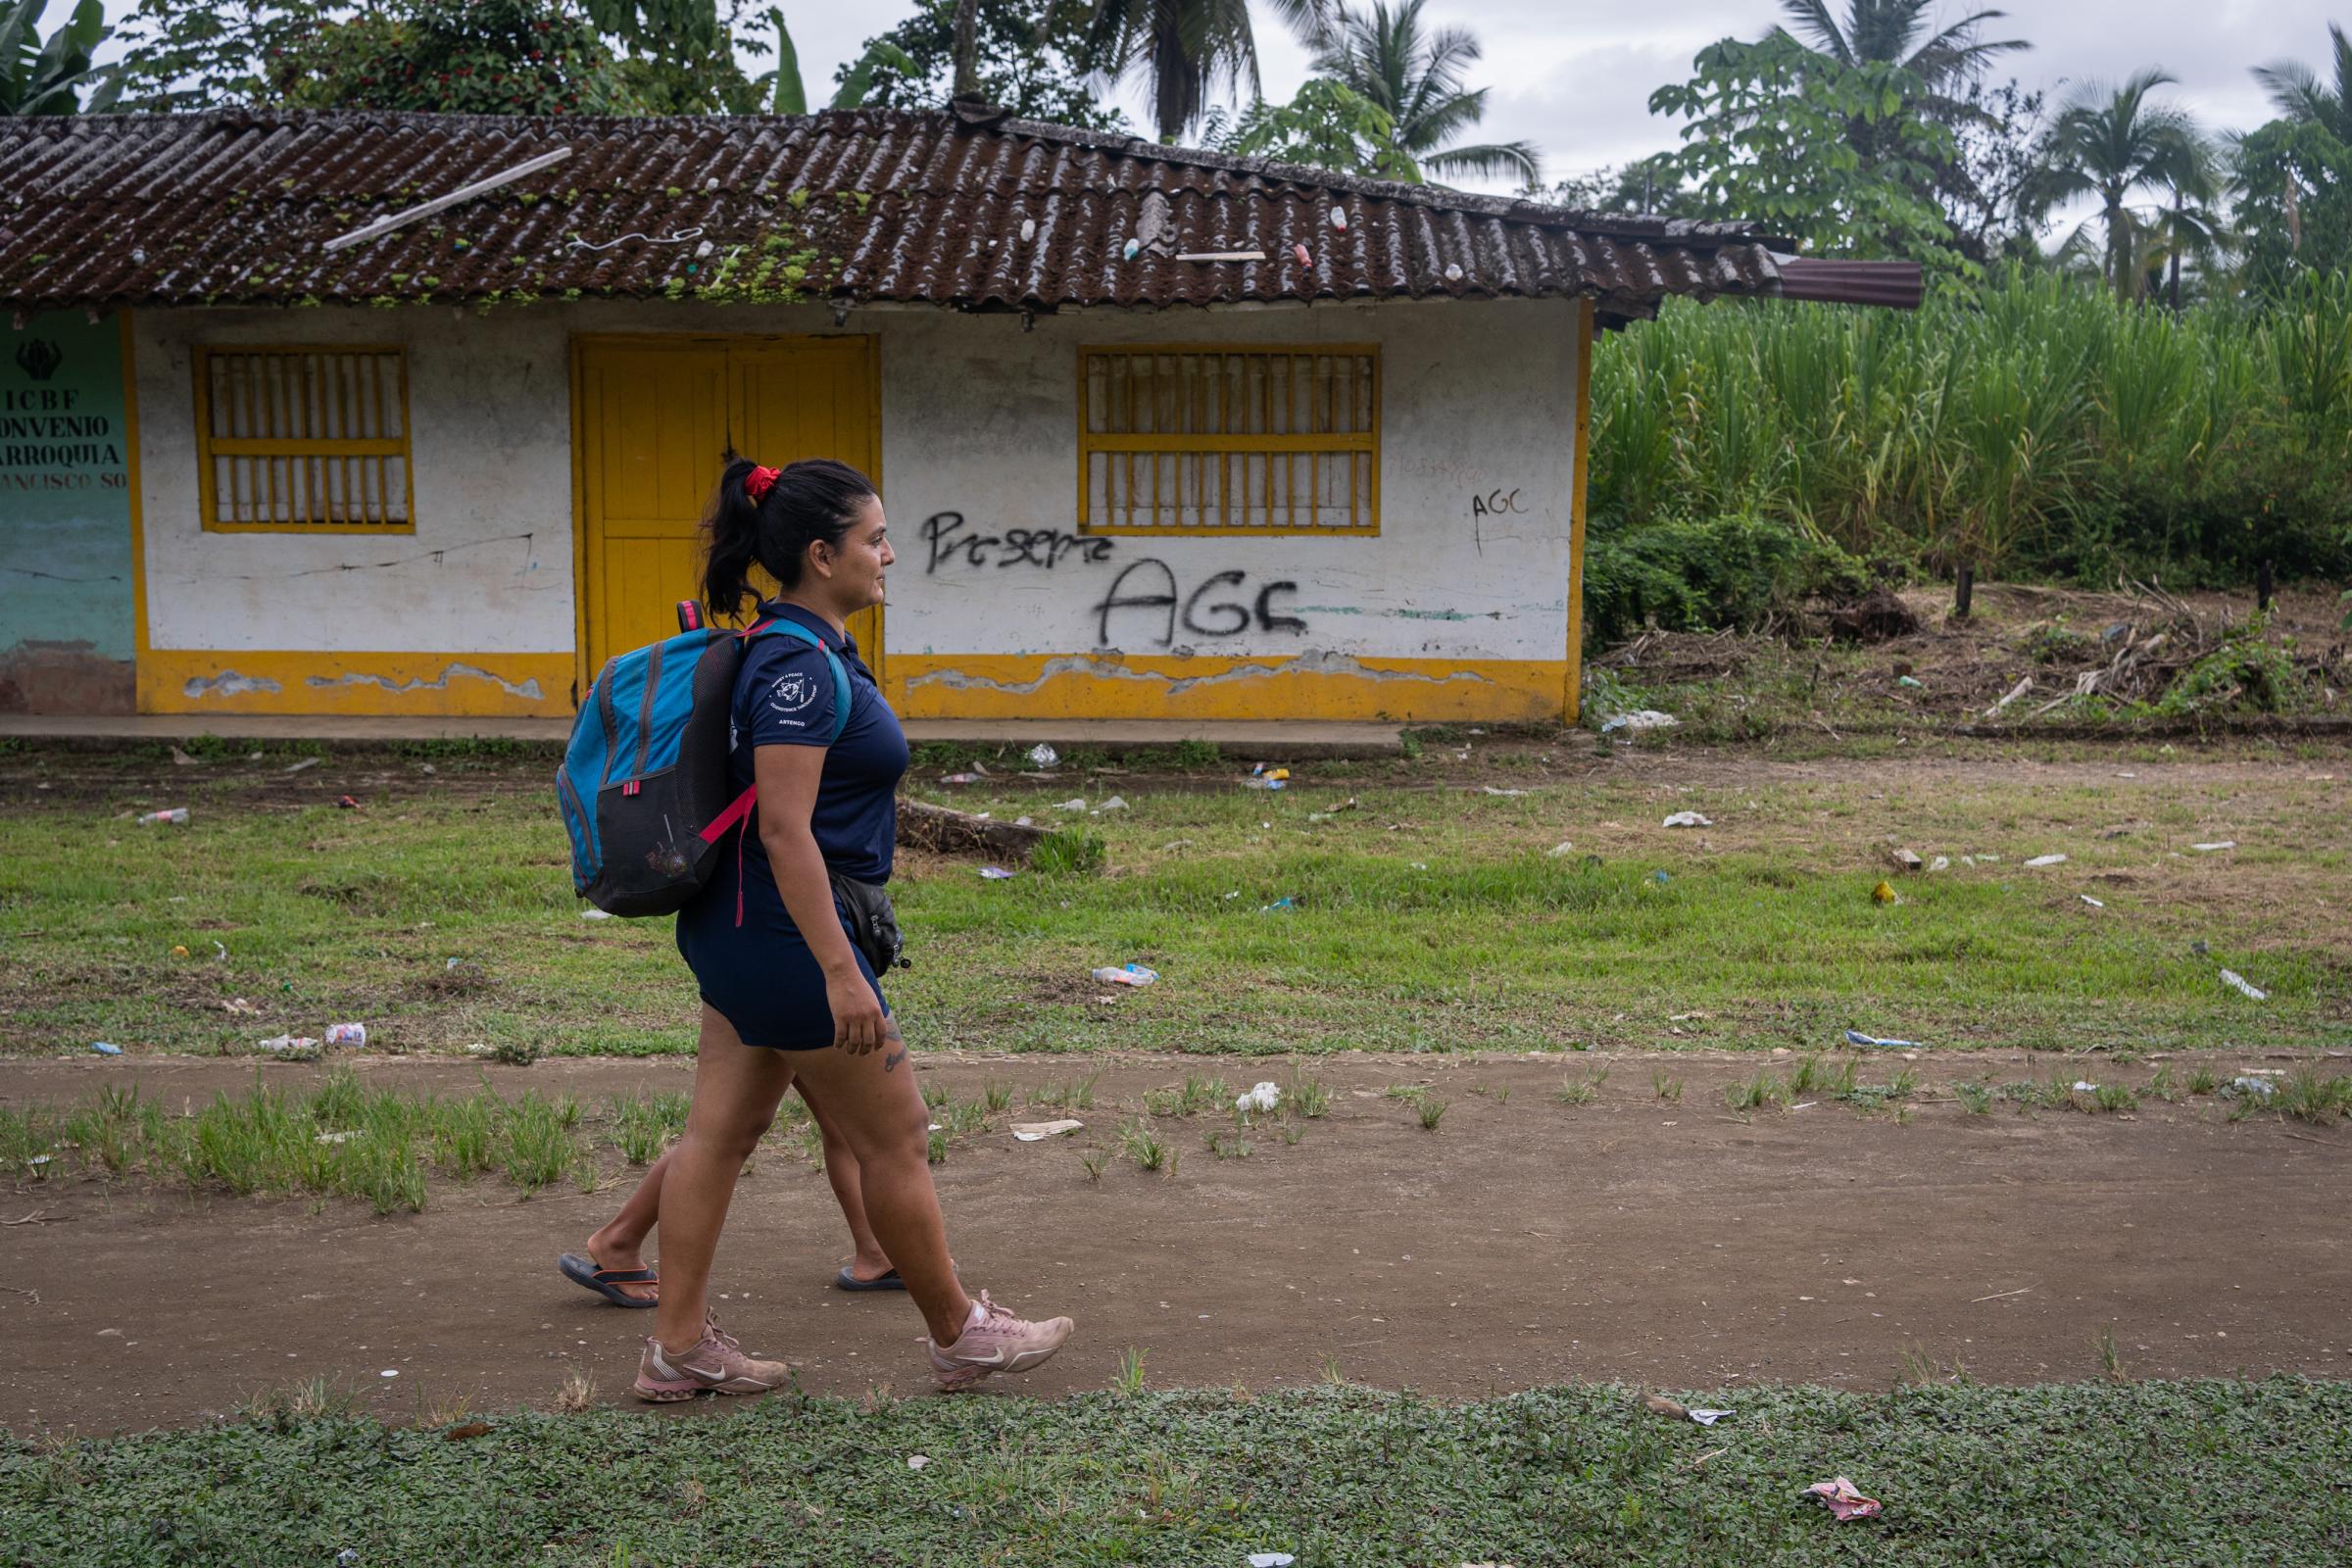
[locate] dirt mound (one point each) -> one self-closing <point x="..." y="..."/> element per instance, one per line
<point x="1877" y="616"/>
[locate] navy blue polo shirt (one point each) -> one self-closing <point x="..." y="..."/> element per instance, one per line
<point x="784" y="695"/>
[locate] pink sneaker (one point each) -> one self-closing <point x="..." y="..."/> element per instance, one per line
<point x="998" y="1342"/>
<point x="716" y="1365"/>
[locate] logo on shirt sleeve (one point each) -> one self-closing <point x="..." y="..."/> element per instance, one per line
<point x="791" y="693"/>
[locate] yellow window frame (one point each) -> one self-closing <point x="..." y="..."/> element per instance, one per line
<point x="210" y="448"/>
<point x="1228" y="445"/>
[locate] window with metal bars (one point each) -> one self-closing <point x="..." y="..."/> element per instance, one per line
<point x="304" y="440"/>
<point x="1208" y="439"/>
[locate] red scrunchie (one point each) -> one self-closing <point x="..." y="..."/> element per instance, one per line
<point x="755" y="483"/>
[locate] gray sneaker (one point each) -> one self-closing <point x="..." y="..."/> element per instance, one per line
<point x="716" y="1365"/>
<point x="998" y="1342"/>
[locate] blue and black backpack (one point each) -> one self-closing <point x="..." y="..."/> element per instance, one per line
<point x="644" y="785"/>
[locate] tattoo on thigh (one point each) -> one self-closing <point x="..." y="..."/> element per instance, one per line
<point x="890" y="1063"/>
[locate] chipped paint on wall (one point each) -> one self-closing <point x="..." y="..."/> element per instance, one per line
<point x="527" y="689"/>
<point x="228" y="683"/>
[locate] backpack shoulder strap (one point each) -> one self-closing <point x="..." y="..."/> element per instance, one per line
<point x="840" y="673"/>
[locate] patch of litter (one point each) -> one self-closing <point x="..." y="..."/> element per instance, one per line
<point x="1941" y="863"/>
<point x="1855" y="1037"/>
<point x="177" y="814"/>
<point x="961" y="778"/>
<point x="1560" y="848"/>
<point x="1912" y="683"/>
<point x="38" y="1160"/>
<point x="1117" y="803"/>
<point x="2244" y="987"/>
<point x="1842" y="1498"/>
<point x="1126" y="974"/>
<point x="354" y="1034"/>
<point x="1660" y="878"/>
<point x="2083" y="1086"/>
<point x="1043" y="755"/>
<point x="1906" y="861"/>
<point x="1036" y="1132"/>
<point x="1076" y="803"/>
<point x="288" y="1044"/>
<point x="996" y="873"/>
<point x="1707" y="1418"/>
<point x="916" y="1462"/>
<point x="596" y="914"/>
<point x="303" y="765"/>
<point x="1286" y="902"/>
<point x="344" y="1137"/>
<point x="1347" y="804"/>
<point x="345" y="803"/>
<point x="1885" y="893"/>
<point x="1638" y="721"/>
<point x="220" y="950"/>
<point x="1491" y="790"/>
<point x="105" y="1049"/>
<point x="1264" y="1095"/>
<point x="2208" y="849"/>
<point x="389" y="1372"/>
<point x="1272" y="1559"/>
<point x="1688" y="820"/>
<point x="2097" y="903"/>
<point x="2046" y="859"/>
<point x="2251" y="1085"/>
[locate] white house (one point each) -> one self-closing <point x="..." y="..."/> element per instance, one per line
<point x="1161" y="434"/>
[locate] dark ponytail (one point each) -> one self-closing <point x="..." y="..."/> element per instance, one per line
<point x="804" y="502"/>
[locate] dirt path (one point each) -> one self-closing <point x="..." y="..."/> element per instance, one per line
<point x="1523" y="1242"/>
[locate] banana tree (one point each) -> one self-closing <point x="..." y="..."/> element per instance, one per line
<point x="789" y="97"/>
<point x="49" y="78"/>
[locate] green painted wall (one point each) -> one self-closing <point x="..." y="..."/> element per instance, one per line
<point x="66" y="618"/>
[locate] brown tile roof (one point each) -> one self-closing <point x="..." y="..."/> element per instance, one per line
<point x="933" y="207"/>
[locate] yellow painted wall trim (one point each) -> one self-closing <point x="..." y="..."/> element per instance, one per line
<point x="180" y="680"/>
<point x="1313" y="686"/>
<point x="1572" y="700"/>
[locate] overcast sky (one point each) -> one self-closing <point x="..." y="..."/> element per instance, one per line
<point x="1575" y="79"/>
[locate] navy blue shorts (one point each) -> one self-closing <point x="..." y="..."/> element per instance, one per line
<point x="760" y="975"/>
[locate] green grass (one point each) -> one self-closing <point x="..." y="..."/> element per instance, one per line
<point x="2097" y="1472"/>
<point x="1454" y="931"/>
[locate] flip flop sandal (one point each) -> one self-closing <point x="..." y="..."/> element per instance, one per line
<point x="846" y="1281"/>
<point x="583" y="1272"/>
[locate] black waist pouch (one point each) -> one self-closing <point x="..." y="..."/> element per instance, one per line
<point x="873" y="923"/>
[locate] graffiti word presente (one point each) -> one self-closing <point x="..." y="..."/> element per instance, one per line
<point x="944" y="532"/>
<point x="1196" y="613"/>
<point x="1496" y="504"/>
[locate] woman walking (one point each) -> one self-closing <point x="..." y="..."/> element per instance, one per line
<point x="786" y="992"/>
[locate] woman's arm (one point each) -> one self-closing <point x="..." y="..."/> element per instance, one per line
<point x="787" y="776"/>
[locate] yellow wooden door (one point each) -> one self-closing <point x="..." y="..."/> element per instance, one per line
<point x="657" y="418"/>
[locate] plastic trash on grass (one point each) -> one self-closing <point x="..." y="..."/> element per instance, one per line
<point x="1688" y="820"/>
<point x="996" y="873"/>
<point x="1036" y="1132"/>
<point x="1126" y="974"/>
<point x="1841" y="1496"/>
<point x="1639" y="721"/>
<point x="1264" y="1095"/>
<point x="1855" y="1037"/>
<point x="2244" y="987"/>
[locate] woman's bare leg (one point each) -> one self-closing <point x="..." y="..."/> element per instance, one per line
<point x="736" y="1090"/>
<point x="872" y="1099"/>
<point x="868" y="1261"/>
<point x="620" y="1243"/>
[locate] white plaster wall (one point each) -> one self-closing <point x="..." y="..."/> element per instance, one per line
<point x="489" y="568"/>
<point x="979" y="418"/>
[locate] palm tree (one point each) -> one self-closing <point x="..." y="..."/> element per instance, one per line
<point x="2112" y="144"/>
<point x="2297" y="92"/>
<point x="1902" y="33"/>
<point x="1386" y="58"/>
<point x="1186" y="49"/>
<point x="2192" y="222"/>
